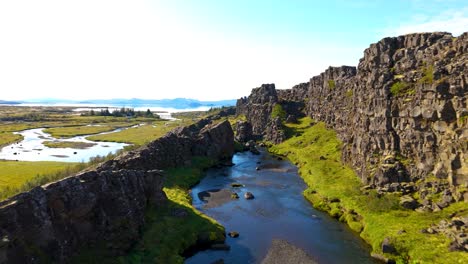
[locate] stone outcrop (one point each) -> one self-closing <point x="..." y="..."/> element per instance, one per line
<point x="178" y="147"/>
<point x="50" y="223"/>
<point x="257" y="107"/>
<point x="106" y="205"/>
<point x="243" y="132"/>
<point x="402" y="113"/>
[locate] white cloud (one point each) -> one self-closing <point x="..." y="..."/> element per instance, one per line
<point x="453" y="21"/>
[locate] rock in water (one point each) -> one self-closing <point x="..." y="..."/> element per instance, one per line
<point x="281" y="252"/>
<point x="248" y="196"/>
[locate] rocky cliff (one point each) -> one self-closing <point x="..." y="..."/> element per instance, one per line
<point x="401" y="114"/>
<point x="106" y="205"/>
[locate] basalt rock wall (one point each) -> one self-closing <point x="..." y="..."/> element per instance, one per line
<point x="401" y="114"/>
<point x="106" y="205"/>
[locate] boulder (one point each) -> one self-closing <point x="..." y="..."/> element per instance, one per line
<point x="248" y="196"/>
<point x="408" y="202"/>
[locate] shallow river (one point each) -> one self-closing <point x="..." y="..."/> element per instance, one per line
<point x="31" y="148"/>
<point x="278" y="211"/>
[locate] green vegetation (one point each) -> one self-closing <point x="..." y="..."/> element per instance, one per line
<point x="331" y="84"/>
<point x="18" y="176"/>
<point x="22" y="176"/>
<point x="73" y="131"/>
<point x="68" y="144"/>
<point x="166" y="236"/>
<point x="122" y="112"/>
<point x="349" y="93"/>
<point x="398" y="76"/>
<point x="278" y="111"/>
<point x="140" y="135"/>
<point x="401" y="88"/>
<point x="7" y="138"/>
<point x="335" y="188"/>
<point x="428" y="75"/>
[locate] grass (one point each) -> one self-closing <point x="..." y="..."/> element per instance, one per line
<point x="278" y="111"/>
<point x="401" y="88"/>
<point x="140" y="135"/>
<point x="331" y="84"/>
<point x="73" y="131"/>
<point x="428" y="75"/>
<point x="7" y="138"/>
<point x="173" y="235"/>
<point x="165" y="237"/>
<point x="16" y="176"/>
<point x="68" y="144"/>
<point x="374" y="217"/>
<point x="22" y="176"/>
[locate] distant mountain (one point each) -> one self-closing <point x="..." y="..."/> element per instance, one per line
<point x="9" y="102"/>
<point x="177" y="103"/>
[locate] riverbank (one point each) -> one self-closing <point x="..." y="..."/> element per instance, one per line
<point x="336" y="189"/>
<point x="277" y="211"/>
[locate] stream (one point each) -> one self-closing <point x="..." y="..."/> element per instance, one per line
<point x="31" y="148"/>
<point x="278" y="210"/>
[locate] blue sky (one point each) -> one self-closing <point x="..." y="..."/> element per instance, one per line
<point x="203" y="49"/>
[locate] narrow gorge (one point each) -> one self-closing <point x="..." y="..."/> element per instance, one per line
<point x="382" y="147"/>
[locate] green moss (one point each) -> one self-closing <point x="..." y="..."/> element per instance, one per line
<point x="398" y="88"/>
<point x="349" y="93"/>
<point x="331" y="84"/>
<point x="376" y="216"/>
<point x="278" y="111"/>
<point x="428" y="75"/>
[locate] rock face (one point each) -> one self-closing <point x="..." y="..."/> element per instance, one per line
<point x="55" y="220"/>
<point x="179" y="146"/>
<point x="243" y="132"/>
<point x="402" y="113"/>
<point x="258" y="107"/>
<point x="106" y="205"/>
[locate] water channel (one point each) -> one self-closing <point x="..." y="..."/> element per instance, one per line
<point x="278" y="210"/>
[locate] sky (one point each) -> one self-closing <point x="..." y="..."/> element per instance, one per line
<point x="200" y="49"/>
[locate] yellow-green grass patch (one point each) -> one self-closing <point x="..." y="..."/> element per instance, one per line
<point x="7" y="138"/>
<point x="15" y="174"/>
<point x="140" y="135"/>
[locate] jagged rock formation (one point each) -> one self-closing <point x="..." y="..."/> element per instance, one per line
<point x="243" y="132"/>
<point x="106" y="205"/>
<point x="402" y="114"/>
<point x="178" y="147"/>
<point x="258" y="107"/>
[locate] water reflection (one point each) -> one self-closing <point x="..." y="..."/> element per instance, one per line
<point x="31" y="148"/>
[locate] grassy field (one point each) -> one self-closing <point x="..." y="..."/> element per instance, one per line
<point x="335" y="188"/>
<point x="14" y="175"/>
<point x="7" y="138"/>
<point x="73" y="131"/>
<point x="140" y="135"/>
